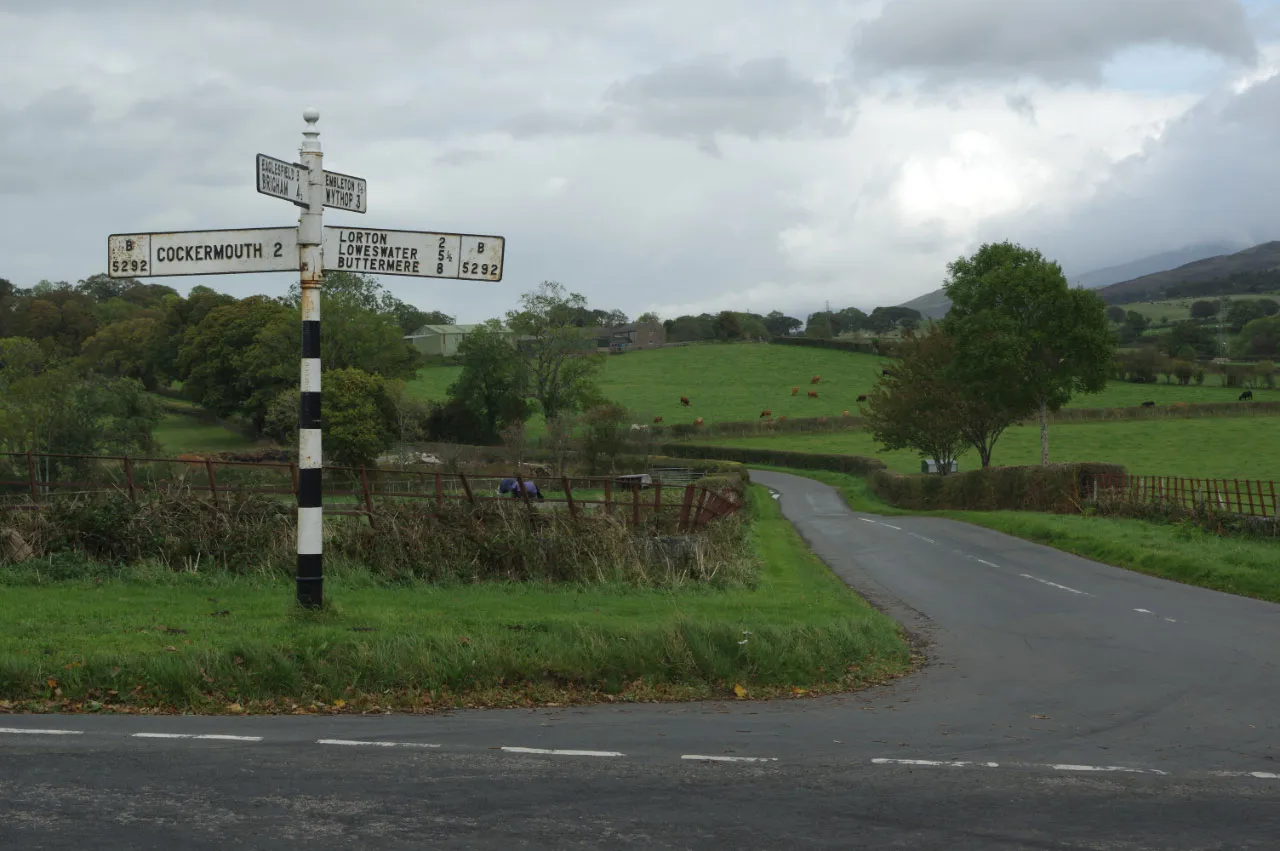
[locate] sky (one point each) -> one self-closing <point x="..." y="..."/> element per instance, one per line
<point x="653" y="155"/>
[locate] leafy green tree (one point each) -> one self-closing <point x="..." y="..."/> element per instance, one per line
<point x="603" y="436"/>
<point x="1259" y="339"/>
<point x="130" y="348"/>
<point x="1204" y="309"/>
<point x="779" y="324"/>
<point x="358" y="416"/>
<point x="1269" y="306"/>
<point x="646" y="318"/>
<point x="819" y="327"/>
<point x="917" y="406"/>
<point x="848" y="319"/>
<point x="1242" y="312"/>
<point x="1198" y="337"/>
<point x="233" y="361"/>
<point x="1115" y="313"/>
<point x="1136" y="321"/>
<point x="562" y="369"/>
<point x="1053" y="341"/>
<point x="494" y="380"/>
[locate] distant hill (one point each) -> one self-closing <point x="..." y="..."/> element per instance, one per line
<point x="935" y="305"/>
<point x="1259" y="258"/>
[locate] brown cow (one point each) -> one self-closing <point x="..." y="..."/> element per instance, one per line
<point x="815" y="379"/>
<point x="657" y="419"/>
<point x="795" y="390"/>
<point x="844" y="413"/>
<point x="684" y="400"/>
<point x="781" y="418"/>
<point x="698" y="421"/>
<point x="813" y="394"/>
<point x="766" y="414"/>
<point x="862" y="398"/>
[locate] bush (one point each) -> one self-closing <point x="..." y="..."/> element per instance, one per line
<point x="854" y="464"/>
<point x="888" y="348"/>
<point x="1056" y="488"/>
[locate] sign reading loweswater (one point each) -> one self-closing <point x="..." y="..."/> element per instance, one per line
<point x="418" y="254"/>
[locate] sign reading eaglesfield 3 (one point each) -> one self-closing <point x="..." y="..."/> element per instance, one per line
<point x="414" y="253"/>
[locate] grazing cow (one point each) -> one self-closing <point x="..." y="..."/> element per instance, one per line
<point x="862" y="398"/>
<point x="781" y="418"/>
<point x="764" y="414"/>
<point x="698" y="421"/>
<point x="813" y="394"/>
<point x="1148" y="404"/>
<point x="684" y="400"/>
<point x="844" y="413"/>
<point x="1248" y="394"/>
<point x="815" y="379"/>
<point x="795" y="390"/>
<point x="657" y="419"/>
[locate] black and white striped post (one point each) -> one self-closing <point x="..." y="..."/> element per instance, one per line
<point x="310" y="572"/>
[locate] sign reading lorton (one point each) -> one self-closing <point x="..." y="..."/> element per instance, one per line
<point x="202" y="252"/>
<point x="414" y="253"/>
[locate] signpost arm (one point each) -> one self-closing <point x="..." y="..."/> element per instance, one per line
<point x="310" y="572"/>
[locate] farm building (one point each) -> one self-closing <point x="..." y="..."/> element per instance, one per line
<point x="442" y="339"/>
<point x="625" y="338"/>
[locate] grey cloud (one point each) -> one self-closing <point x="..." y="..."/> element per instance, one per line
<point x="1211" y="177"/>
<point x="1022" y="105"/>
<point x="1055" y="40"/>
<point x="762" y="98"/>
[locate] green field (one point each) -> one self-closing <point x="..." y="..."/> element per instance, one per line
<point x="151" y="637"/>
<point x="1178" y="309"/>
<point x="178" y="433"/>
<point x="1226" y="447"/>
<point x="735" y="382"/>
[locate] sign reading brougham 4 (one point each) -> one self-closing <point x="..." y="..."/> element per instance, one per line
<point x="414" y="253"/>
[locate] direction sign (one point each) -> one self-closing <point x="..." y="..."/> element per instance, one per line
<point x="418" y="254"/>
<point x="286" y="180"/>
<point x="202" y="252"/>
<point x="344" y="192"/>
<point x="282" y="179"/>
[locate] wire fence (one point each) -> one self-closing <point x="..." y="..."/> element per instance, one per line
<point x="1250" y="497"/>
<point x="30" y="481"/>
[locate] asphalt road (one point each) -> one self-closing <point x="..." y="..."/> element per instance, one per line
<point x="1066" y="704"/>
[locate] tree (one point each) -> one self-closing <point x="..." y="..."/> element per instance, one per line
<point x="1269" y="306"/>
<point x="1259" y="339"/>
<point x="1136" y="321"/>
<point x="494" y="380"/>
<point x="1204" y="309"/>
<point x="131" y="348"/>
<point x="358" y="415"/>
<point x="848" y="319"/>
<point x="819" y="327"/>
<point x="1053" y="341"/>
<point x="1190" y="334"/>
<point x="1115" y="313"/>
<point x="917" y="406"/>
<point x="648" y="317"/>
<point x="562" y="369"/>
<point x="884" y="319"/>
<point x="780" y="325"/>
<point x="1242" y="312"/>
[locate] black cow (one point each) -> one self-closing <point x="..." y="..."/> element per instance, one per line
<point x="1248" y="394"/>
<point x="862" y="398"/>
<point x="886" y="372"/>
<point x="1148" y="404"/>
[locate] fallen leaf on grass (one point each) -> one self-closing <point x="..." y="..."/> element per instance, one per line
<point x="739" y="691"/>
<point x="338" y="704"/>
<point x="798" y="690"/>
<point x="234" y="707"/>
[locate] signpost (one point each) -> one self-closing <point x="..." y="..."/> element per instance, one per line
<point x="302" y="249"/>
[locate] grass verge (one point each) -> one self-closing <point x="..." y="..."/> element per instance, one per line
<point x="1180" y="552"/>
<point x="158" y="641"/>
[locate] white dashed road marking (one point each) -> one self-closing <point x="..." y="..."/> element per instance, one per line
<point x="208" y="737"/>
<point x="956" y="763"/>
<point x="987" y="563"/>
<point x="1154" y="615"/>
<point x="23" y="731"/>
<point x="1119" y="768"/>
<point x="555" y="752"/>
<point x="922" y="537"/>
<point x="1261" y="775"/>
<point x="1057" y="767"/>
<point x="356" y="743"/>
<point x="1054" y="584"/>
<point x="702" y="758"/>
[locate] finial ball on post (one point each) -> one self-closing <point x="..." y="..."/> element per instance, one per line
<point x="311" y="115"/>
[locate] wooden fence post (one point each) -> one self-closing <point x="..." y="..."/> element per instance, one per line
<point x="368" y="497"/>
<point x="524" y="494"/>
<point x="568" y="495"/>
<point x="128" y="478"/>
<point x="213" y="482"/>
<point x="685" y="505"/>
<point x="1239" y="501"/>
<point x="466" y="488"/>
<point x="635" y="506"/>
<point x="1275" y="506"/>
<point x="608" y="497"/>
<point x="31" y="478"/>
<point x="657" y="500"/>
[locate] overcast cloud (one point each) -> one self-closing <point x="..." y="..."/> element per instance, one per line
<point x="652" y="155"/>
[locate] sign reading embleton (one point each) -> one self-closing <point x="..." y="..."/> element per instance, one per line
<point x="419" y="254"/>
<point x="202" y="252"/>
<point x="285" y="180"/>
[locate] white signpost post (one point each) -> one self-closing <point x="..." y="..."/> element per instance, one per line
<point x="302" y="249"/>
